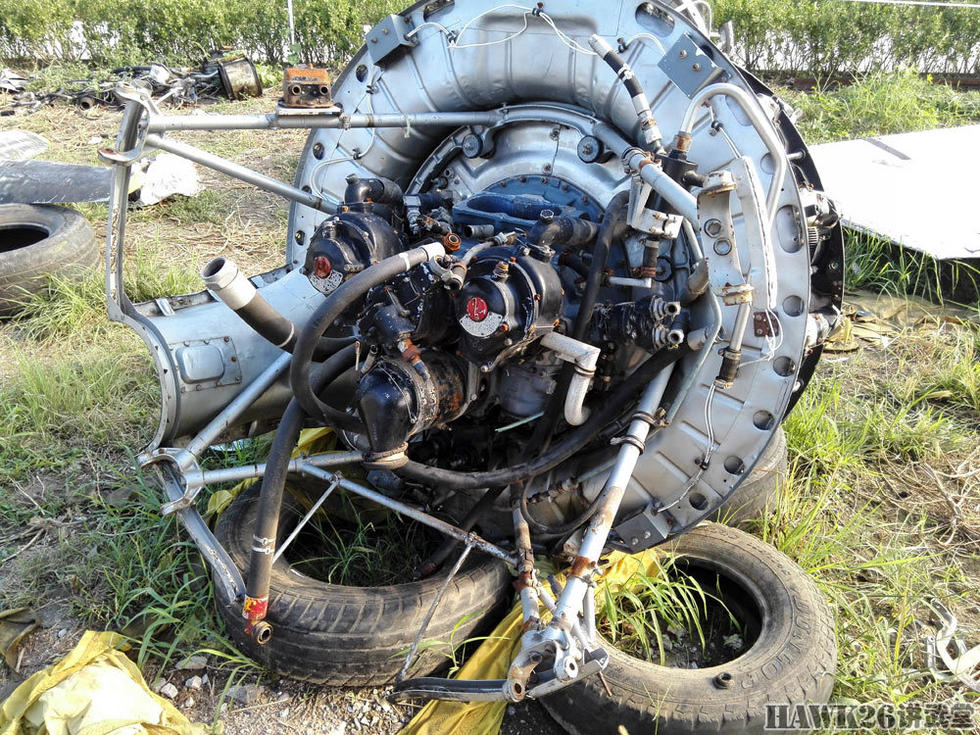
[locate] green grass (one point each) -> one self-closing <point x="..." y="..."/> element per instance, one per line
<point x="879" y="265"/>
<point x="879" y="104"/>
<point x="639" y="614"/>
<point x="862" y="515"/>
<point x="352" y="542"/>
<point x="69" y="307"/>
<point x="59" y="410"/>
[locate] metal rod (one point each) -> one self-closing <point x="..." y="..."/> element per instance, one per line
<point x="238" y="405"/>
<point x="327" y="119"/>
<point x="594" y="539"/>
<point x="225" y="570"/>
<point x="406" y="510"/>
<point x="526" y="578"/>
<point x="588" y="614"/>
<point x="255" y="470"/>
<point x="711" y="333"/>
<point x="676" y="195"/>
<point x="763" y="126"/>
<point x="305" y="519"/>
<point x="410" y="658"/>
<point x="741" y="322"/>
<point x="243" y="173"/>
<point x="549" y="602"/>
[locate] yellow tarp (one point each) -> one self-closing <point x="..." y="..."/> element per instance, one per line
<point x="492" y="659"/>
<point x="94" y="690"/>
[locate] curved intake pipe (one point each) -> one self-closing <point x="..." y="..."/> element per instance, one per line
<point x="223" y="278"/>
<point x="584" y="357"/>
<point x="378" y="190"/>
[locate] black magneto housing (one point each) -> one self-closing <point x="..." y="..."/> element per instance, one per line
<point x="511" y="295"/>
<point x="346" y="244"/>
<point x="413" y="304"/>
<point x="396" y="400"/>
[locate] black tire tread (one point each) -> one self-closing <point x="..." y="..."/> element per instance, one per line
<point x="69" y="250"/>
<point x="352" y="636"/>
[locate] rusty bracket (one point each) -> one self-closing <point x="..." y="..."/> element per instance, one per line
<point x="765" y="324"/>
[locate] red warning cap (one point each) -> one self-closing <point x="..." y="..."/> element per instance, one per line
<point x="477" y="309"/>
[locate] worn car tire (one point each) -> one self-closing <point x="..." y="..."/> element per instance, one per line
<point x="338" y="635"/>
<point x="36" y="241"/>
<point x="792" y="660"/>
<point x="761" y="488"/>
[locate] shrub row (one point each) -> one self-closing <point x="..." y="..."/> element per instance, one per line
<point x="830" y="37"/>
<point x="116" y="32"/>
<point x="820" y="37"/>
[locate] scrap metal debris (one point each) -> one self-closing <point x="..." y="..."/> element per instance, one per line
<point x="230" y="75"/>
<point x="885" y="186"/>
<point x="964" y="664"/>
<point x="306" y="87"/>
<point x="11" y="81"/>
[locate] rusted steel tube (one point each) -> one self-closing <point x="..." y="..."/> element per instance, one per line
<point x="594" y="539"/>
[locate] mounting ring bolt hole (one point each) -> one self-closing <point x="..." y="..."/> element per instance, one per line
<point x="734" y="465"/>
<point x="299" y="237"/>
<point x="784" y="366"/>
<point x="361" y="72"/>
<point x="698" y="501"/>
<point x="318" y="150"/>
<point x="722" y="247"/>
<point x="712" y="228"/>
<point x="792" y="306"/>
<point x="763" y="420"/>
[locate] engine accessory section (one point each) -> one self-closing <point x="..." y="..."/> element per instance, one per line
<point x="553" y="276"/>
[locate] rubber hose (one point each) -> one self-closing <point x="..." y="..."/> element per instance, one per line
<point x="335" y="305"/>
<point x="276" y="469"/>
<point x="574" y="262"/>
<point x="574" y="441"/>
<point x="280" y="331"/>
<point x="565" y="230"/>
<point x="378" y="190"/>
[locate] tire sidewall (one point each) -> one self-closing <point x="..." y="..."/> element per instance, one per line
<point x="785" y="637"/>
<point x="369" y="625"/>
<point x="69" y="250"/>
